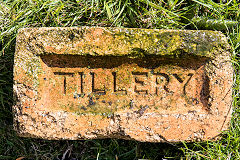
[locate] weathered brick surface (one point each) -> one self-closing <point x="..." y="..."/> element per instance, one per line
<point x="147" y="85"/>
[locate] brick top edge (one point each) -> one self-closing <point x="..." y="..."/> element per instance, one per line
<point x="111" y="41"/>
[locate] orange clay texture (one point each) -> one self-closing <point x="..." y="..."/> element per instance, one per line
<point x="142" y="84"/>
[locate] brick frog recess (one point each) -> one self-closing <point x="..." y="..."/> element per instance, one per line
<point x="143" y="84"/>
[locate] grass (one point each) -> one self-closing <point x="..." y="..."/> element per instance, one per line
<point x="223" y="15"/>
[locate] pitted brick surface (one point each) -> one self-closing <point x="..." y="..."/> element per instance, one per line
<point x="147" y="85"/>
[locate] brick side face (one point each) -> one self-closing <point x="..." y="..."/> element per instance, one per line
<point x="147" y="85"/>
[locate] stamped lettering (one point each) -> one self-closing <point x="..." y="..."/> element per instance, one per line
<point x="140" y="84"/>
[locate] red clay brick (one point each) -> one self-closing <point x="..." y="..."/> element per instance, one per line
<point x="142" y="84"/>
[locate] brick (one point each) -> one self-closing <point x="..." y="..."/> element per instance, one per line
<point x="142" y="84"/>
